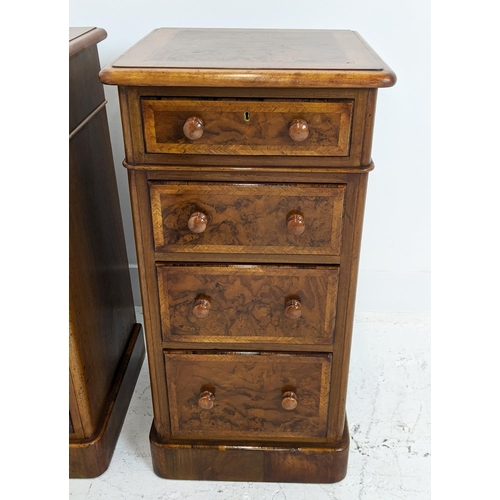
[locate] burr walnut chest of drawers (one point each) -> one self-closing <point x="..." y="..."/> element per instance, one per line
<point x="248" y="153"/>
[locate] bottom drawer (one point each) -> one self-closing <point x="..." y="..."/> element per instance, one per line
<point x="242" y="394"/>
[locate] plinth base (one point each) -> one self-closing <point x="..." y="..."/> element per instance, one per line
<point x="231" y="462"/>
<point x="91" y="457"/>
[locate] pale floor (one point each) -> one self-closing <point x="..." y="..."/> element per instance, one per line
<point x="388" y="409"/>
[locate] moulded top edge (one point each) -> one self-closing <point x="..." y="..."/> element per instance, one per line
<point x="242" y="57"/>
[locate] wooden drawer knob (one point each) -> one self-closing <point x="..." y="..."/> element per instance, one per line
<point x="193" y="128"/>
<point x="293" y="309"/>
<point x="206" y="400"/>
<point x="289" y="400"/>
<point x="296" y="224"/>
<point x="201" y="307"/>
<point x="197" y="223"/>
<point x="298" y="130"/>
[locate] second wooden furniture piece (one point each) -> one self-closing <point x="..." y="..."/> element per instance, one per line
<point x="106" y="347"/>
<point x="248" y="154"/>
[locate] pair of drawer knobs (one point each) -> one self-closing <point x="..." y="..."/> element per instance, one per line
<point x="201" y="308"/>
<point x="288" y="400"/>
<point x="295" y="223"/>
<point x="193" y="129"/>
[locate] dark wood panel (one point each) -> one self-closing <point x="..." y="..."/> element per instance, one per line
<point x="247" y="303"/>
<point x="247" y="218"/>
<point x="243" y="258"/>
<point x="90" y="457"/>
<point x="100" y="294"/>
<point x="86" y="93"/>
<point x="248" y="390"/>
<point x="82" y="38"/>
<point x="250" y="461"/>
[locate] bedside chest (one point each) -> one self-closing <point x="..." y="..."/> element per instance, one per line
<point x="248" y="154"/>
<point x="106" y="347"/>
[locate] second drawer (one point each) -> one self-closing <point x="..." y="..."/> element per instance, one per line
<point x="260" y="304"/>
<point x="286" y="219"/>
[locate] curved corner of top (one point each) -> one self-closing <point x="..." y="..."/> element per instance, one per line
<point x="386" y="76"/>
<point x="105" y="77"/>
<point x="388" y="79"/>
<point x="82" y="38"/>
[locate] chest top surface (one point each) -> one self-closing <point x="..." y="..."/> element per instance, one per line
<point x="243" y="57"/>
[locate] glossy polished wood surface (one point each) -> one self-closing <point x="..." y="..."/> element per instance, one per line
<point x="83" y="38"/>
<point x="193" y="128"/>
<point x="247" y="218"/>
<point x="248" y="391"/>
<point x="133" y="98"/>
<point x="213" y="304"/>
<point x="106" y="348"/>
<point x="239" y="127"/>
<point x="248" y="153"/>
<point x="250" y="461"/>
<point x="246" y="58"/>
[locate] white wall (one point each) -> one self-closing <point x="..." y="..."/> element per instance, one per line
<point x="395" y="263"/>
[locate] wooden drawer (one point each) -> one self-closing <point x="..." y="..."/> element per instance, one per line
<point x="251" y="218"/>
<point x="259" y="304"/>
<point x="248" y="391"/>
<point x="248" y="127"/>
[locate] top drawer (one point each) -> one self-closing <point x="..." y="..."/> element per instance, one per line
<point x="248" y="127"/>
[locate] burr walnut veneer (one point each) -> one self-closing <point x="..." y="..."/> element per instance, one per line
<point x="248" y="153"/>
<point x="106" y="348"/>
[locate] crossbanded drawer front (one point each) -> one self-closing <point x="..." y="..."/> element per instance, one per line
<point x="248" y="127"/>
<point x="248" y="395"/>
<point x="286" y="219"/>
<point x="248" y="303"/>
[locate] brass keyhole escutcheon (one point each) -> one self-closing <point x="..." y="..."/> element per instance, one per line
<point x="246" y="116"/>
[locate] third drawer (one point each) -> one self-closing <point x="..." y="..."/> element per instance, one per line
<point x="248" y="303"/>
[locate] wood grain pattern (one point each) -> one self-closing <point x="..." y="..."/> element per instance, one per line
<point x="247" y="218"/>
<point x="142" y="159"/>
<point x="246" y="127"/>
<point x="217" y="284"/>
<point x="247" y="303"/>
<point x="250" y="58"/>
<point x="141" y="212"/>
<point x="102" y="311"/>
<point x="250" y="49"/>
<point x="90" y="457"/>
<point x="347" y="300"/>
<point x="250" y="461"/>
<point x="106" y="349"/>
<point x="248" y="391"/>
